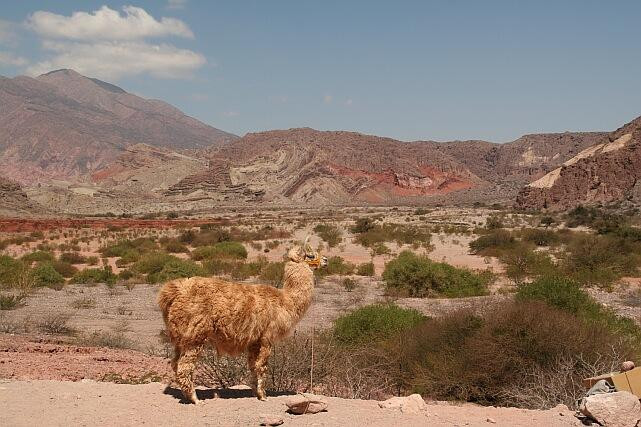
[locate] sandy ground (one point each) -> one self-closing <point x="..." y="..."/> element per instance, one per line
<point x="59" y="403"/>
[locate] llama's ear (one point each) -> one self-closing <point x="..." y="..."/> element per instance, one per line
<point x="306" y="247"/>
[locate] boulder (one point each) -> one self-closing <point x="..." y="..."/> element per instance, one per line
<point x="412" y="404"/>
<point x="270" y="420"/>
<point x="300" y="405"/>
<point x="619" y="409"/>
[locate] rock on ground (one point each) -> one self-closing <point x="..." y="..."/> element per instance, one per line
<point x="412" y="404"/>
<point x="301" y="404"/>
<point x="619" y="409"/>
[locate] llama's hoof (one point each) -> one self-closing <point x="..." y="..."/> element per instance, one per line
<point x="262" y="398"/>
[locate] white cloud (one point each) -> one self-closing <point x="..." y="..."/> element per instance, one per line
<point x="110" y="44"/>
<point x="7" y="58"/>
<point x="112" y="60"/>
<point x="176" y="4"/>
<point x="327" y="99"/>
<point x="106" y="24"/>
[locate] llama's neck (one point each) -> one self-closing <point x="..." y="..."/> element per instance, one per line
<point x="298" y="286"/>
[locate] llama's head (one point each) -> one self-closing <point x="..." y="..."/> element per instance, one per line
<point x="307" y="254"/>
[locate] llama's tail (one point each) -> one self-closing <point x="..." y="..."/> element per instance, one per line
<point x="166" y="297"/>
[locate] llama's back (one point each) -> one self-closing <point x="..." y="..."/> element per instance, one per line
<point x="198" y="308"/>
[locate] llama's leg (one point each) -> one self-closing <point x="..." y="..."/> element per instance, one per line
<point x="185" y="372"/>
<point x="175" y="358"/>
<point x="258" y="355"/>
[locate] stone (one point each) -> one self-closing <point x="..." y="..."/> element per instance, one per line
<point x="300" y="405"/>
<point x="619" y="409"/>
<point x="490" y="420"/>
<point x="270" y="420"/>
<point x="412" y="404"/>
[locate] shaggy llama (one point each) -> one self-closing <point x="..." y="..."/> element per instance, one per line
<point x="235" y="318"/>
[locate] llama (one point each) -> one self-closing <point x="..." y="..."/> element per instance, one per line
<point x="236" y="318"/>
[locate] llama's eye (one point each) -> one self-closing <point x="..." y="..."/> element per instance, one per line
<point x="310" y="256"/>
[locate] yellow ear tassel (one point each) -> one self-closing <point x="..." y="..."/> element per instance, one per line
<point x="314" y="262"/>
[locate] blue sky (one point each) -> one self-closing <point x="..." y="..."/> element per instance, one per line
<point x="410" y="70"/>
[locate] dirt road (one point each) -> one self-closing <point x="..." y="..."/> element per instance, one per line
<point x="89" y="403"/>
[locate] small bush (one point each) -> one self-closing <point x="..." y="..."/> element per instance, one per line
<point x="175" y="269"/>
<point x="56" y="324"/>
<point x="111" y="339"/>
<point x="540" y="237"/>
<point x="522" y="262"/>
<point x="38" y="256"/>
<point x="330" y="233"/>
<point x="493" y="243"/>
<point x="11" y="302"/>
<point x="174" y="246"/>
<point x="363" y="225"/>
<point x="45" y="274"/>
<point x="229" y="250"/>
<point x="336" y="265"/>
<point x="418" y="276"/>
<point x="11" y="270"/>
<point x="83" y="303"/>
<point x="92" y="276"/>
<point x="365" y="269"/>
<point x="73" y="258"/>
<point x="349" y="284"/>
<point x="374" y="322"/>
<point x="64" y="268"/>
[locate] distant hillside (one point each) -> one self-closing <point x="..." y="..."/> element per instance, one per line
<point x="14" y="201"/>
<point x="305" y="165"/>
<point x="62" y="125"/>
<point x="608" y="171"/>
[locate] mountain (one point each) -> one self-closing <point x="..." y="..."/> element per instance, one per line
<point x="62" y="125"/>
<point x="310" y="166"/>
<point x="13" y="199"/>
<point x="606" y="172"/>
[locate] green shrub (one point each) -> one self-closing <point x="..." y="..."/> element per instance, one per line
<point x="45" y="274"/>
<point x="493" y="244"/>
<point x="349" y="284"/>
<point x="524" y="354"/>
<point x="228" y="250"/>
<point x="374" y="322"/>
<point x="73" y="258"/>
<point x="523" y="262"/>
<point x="330" y="233"/>
<point x="365" y="269"/>
<point x="11" y="270"/>
<point x="362" y="225"/>
<point x="401" y="234"/>
<point x="152" y="262"/>
<point x="176" y="269"/>
<point x="336" y="265"/>
<point x="123" y="247"/>
<point x="38" y="256"/>
<point x="540" y="237"/>
<point x="174" y="246"/>
<point x="600" y="260"/>
<point x="11" y="302"/>
<point x="418" y="276"/>
<point x="567" y="295"/>
<point x="92" y="276"/>
<point x="64" y="268"/>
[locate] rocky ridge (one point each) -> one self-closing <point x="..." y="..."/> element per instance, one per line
<point x="602" y="173"/>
